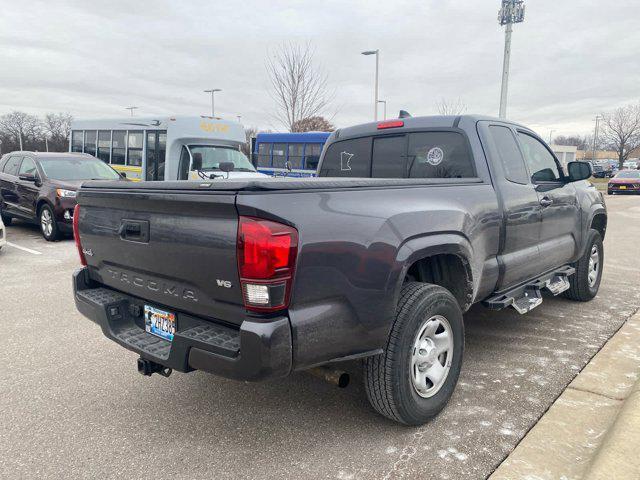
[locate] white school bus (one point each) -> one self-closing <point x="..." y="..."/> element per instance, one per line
<point x="164" y="148"/>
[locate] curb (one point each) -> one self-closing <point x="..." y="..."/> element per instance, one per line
<point x="592" y="430"/>
<point x="617" y="455"/>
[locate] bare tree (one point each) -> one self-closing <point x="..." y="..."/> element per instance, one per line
<point x="451" y="107"/>
<point x="313" y="124"/>
<point x="582" y="142"/>
<point x="249" y="133"/>
<point x="299" y="88"/>
<point x="621" y="130"/>
<point x="57" y="127"/>
<point x="20" y="128"/>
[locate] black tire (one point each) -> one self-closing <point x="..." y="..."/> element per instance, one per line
<point x="53" y="234"/>
<point x="388" y="376"/>
<point x="609" y="192"/>
<point x="580" y="289"/>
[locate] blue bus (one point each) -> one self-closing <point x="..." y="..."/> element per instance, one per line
<point x="274" y="152"/>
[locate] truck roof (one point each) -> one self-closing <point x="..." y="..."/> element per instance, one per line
<point x="429" y="121"/>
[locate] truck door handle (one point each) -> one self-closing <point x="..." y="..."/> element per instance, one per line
<point x="545" y="202"/>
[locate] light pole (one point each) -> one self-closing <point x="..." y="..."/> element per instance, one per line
<point x="384" y="116"/>
<point x="239" y="118"/>
<point x="595" y="137"/>
<point x="375" y="100"/>
<point x="213" y="91"/>
<point x="550" y="135"/>
<point x="512" y="11"/>
<point x="131" y="109"/>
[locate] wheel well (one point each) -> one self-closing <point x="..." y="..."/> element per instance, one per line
<point x="447" y="270"/>
<point x="39" y="205"/>
<point x="599" y="223"/>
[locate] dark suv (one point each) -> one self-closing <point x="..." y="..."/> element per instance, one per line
<point x="41" y="187"/>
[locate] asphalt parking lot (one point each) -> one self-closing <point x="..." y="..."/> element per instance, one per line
<point x="73" y="406"/>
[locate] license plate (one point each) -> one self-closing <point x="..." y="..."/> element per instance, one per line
<point x="623" y="187"/>
<point x="159" y="322"/>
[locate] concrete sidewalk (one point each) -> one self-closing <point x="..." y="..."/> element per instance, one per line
<point x="592" y="431"/>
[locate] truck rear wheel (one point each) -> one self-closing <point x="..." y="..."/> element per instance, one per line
<point x="416" y="375"/>
<point x="584" y="284"/>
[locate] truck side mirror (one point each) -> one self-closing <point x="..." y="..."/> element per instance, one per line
<point x="579" y="171"/>
<point x="197" y="162"/>
<point x="227" y="166"/>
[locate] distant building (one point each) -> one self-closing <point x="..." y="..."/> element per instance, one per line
<point x="565" y="153"/>
<point x="600" y="154"/>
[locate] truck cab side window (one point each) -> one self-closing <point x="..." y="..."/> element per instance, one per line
<point x="542" y="164"/>
<point x="512" y="161"/>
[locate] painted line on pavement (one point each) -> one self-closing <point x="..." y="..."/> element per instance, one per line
<point x="24" y="248"/>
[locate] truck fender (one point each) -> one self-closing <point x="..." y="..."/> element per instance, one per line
<point x="426" y="246"/>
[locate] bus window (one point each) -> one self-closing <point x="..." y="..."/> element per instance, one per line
<point x="185" y="161"/>
<point x="162" y="153"/>
<point x="134" y="149"/>
<point x="90" y="142"/>
<point x="312" y="156"/>
<point x="264" y="155"/>
<point x="279" y="155"/>
<point x="295" y="154"/>
<point x="76" y="141"/>
<point x="104" y="145"/>
<point x="118" y="150"/>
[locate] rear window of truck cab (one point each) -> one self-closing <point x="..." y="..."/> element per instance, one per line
<point x="428" y="154"/>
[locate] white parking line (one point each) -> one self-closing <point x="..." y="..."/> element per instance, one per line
<point x="24" y="248"/>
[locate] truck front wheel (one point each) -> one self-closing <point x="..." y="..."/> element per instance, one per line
<point x="416" y="375"/>
<point x="584" y="284"/>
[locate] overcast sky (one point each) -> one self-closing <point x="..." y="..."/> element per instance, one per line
<point x="571" y="59"/>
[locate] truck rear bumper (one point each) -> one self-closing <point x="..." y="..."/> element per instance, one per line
<point x="255" y="351"/>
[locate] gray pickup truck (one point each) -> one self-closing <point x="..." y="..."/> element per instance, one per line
<point x="410" y="222"/>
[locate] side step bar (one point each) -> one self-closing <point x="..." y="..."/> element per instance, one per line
<point x="528" y="296"/>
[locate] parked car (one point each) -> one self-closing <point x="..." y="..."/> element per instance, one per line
<point x="3" y="234"/>
<point x="41" y="187"/>
<point x="257" y="278"/>
<point x="625" y="181"/>
<point x="599" y="171"/>
<point x="631" y="165"/>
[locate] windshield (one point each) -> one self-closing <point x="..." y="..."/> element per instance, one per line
<point x="628" y="174"/>
<point x="77" y="169"/>
<point x="212" y="157"/>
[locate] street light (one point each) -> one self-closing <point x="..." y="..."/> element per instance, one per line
<point x="375" y="101"/>
<point x="213" y="105"/>
<point x="595" y="137"/>
<point x="131" y="109"/>
<point x="384" y="117"/>
<point x="512" y="11"/>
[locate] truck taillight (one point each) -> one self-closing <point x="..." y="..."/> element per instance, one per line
<point x="76" y="234"/>
<point x="266" y="261"/>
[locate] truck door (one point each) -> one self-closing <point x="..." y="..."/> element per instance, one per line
<point x="560" y="228"/>
<point x="519" y="255"/>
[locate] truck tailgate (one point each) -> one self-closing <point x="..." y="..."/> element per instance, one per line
<point x="175" y="249"/>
